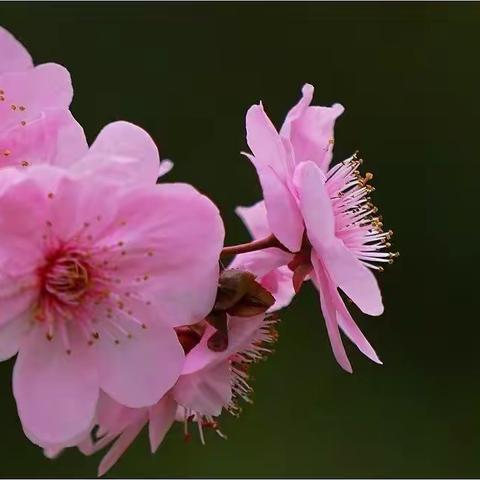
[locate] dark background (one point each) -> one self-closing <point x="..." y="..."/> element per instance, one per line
<point x="408" y="75"/>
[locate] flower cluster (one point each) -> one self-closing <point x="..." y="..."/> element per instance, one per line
<point x="115" y="296"/>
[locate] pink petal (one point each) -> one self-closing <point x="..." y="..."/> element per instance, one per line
<point x="21" y="244"/>
<point x="297" y="110"/>
<point x="184" y="233"/>
<point x="241" y="331"/>
<point x="125" y="152"/>
<point x="88" y="447"/>
<point x="161" y="418"/>
<point x="17" y="295"/>
<point x="56" y="393"/>
<point x="279" y="283"/>
<point x="165" y="167"/>
<point x="356" y="280"/>
<point x="283" y="214"/>
<point x="310" y="130"/>
<point x="112" y="419"/>
<point x="328" y="309"/>
<point x="312" y="136"/>
<point x="140" y="370"/>
<point x="255" y="219"/>
<point x="315" y="205"/>
<point x="14" y="57"/>
<point x="70" y="144"/>
<point x="206" y="391"/>
<point x="74" y="201"/>
<point x="262" y="262"/>
<point x="43" y="87"/>
<point x="265" y="142"/>
<point x="121" y="445"/>
<point x="12" y="333"/>
<point x="54" y="202"/>
<point x="201" y="356"/>
<point x="350" y="328"/>
<point x="52" y="452"/>
<point x="53" y="137"/>
<point x="113" y="416"/>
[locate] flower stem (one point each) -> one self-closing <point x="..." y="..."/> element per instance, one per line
<point x="253" y="246"/>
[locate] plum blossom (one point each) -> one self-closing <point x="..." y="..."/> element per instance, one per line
<point x="35" y="123"/>
<point x="323" y="216"/>
<point x="210" y="383"/>
<point x="98" y="265"/>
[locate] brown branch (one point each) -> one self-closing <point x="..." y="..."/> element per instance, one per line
<point x="253" y="246"/>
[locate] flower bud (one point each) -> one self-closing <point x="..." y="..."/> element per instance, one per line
<point x="257" y="300"/>
<point x="240" y="295"/>
<point x="232" y="286"/>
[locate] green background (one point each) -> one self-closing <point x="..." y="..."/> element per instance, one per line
<point x="408" y="75"/>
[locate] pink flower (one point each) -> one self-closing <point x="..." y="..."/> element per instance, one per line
<point x="210" y="382"/>
<point x="268" y="265"/>
<point x="324" y="216"/>
<point x="35" y="124"/>
<point x="98" y="264"/>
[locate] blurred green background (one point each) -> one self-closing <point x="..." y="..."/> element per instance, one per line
<point x="408" y="75"/>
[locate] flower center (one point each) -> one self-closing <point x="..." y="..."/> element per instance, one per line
<point x="356" y="219"/>
<point x="67" y="278"/>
